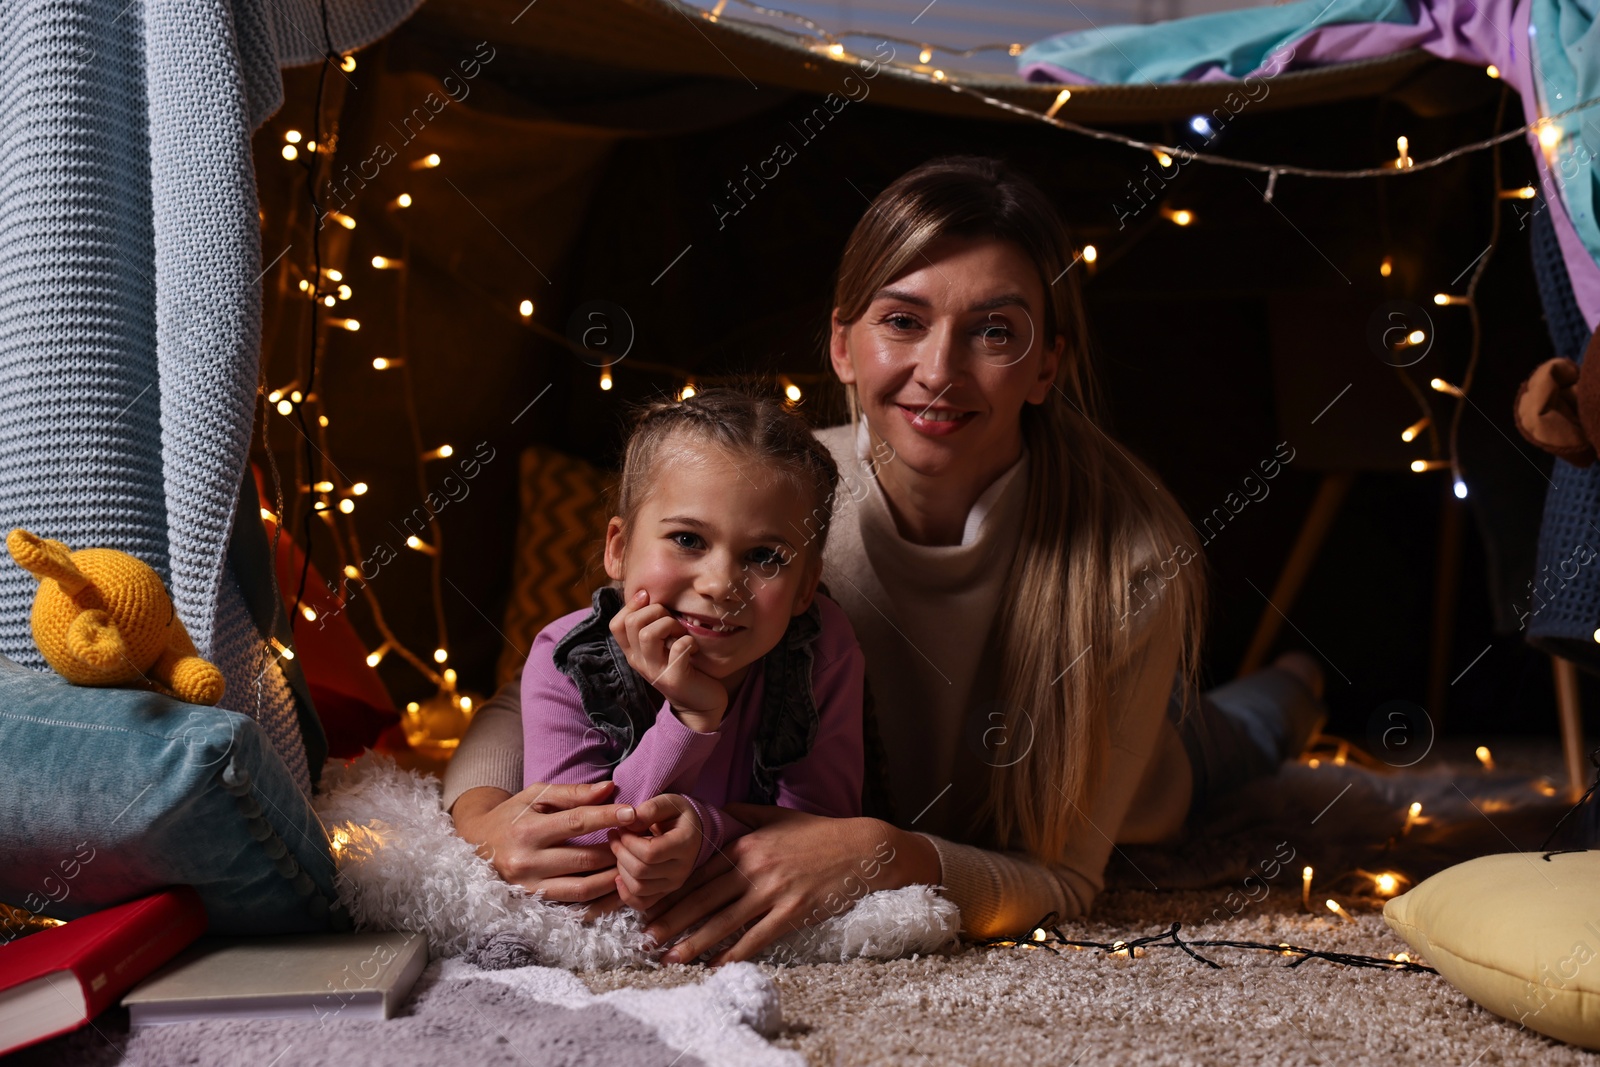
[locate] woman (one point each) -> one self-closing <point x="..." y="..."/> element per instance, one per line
<point x="1025" y="591"/>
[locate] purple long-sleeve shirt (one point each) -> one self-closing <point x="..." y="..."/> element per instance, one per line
<point x="710" y="769"/>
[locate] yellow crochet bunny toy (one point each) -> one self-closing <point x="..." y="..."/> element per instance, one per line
<point x="102" y="617"/>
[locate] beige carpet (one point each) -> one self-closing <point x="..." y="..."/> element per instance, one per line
<point x="1020" y="1006"/>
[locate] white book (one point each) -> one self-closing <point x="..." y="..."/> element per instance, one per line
<point x="326" y="977"/>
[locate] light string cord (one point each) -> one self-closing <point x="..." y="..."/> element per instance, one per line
<point x="1272" y="170"/>
<point x="1048" y="936"/>
<point x="329" y="56"/>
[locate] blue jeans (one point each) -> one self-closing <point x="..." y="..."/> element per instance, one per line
<point x="1242" y="730"/>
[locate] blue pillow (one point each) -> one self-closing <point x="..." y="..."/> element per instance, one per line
<point x="111" y="794"/>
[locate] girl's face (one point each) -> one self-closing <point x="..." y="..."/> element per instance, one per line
<point x="945" y="355"/>
<point x="724" y="544"/>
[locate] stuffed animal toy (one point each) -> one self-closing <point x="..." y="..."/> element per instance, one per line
<point x="103" y="618"/>
<point x="1558" y="407"/>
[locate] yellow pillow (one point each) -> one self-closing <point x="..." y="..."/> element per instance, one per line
<point x="1517" y="933"/>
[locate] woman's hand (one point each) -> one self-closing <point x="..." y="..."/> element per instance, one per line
<point x="650" y="867"/>
<point x="659" y="648"/>
<point x="523" y="835"/>
<point x="794" y="870"/>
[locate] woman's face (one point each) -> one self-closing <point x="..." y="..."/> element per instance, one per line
<point x="945" y="355"/>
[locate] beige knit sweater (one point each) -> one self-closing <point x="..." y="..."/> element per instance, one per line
<point x="922" y="614"/>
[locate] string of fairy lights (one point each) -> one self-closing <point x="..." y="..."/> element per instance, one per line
<point x="325" y="492"/>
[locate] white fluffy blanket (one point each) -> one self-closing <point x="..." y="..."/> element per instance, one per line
<point x="402" y="867"/>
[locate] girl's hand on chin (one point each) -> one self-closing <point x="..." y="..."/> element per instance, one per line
<point x="662" y="651"/>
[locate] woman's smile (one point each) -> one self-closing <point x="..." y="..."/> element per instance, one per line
<point x="936" y="422"/>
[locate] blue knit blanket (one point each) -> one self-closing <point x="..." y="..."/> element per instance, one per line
<point x="130" y="297"/>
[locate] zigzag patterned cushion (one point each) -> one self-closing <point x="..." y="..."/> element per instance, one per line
<point x="560" y="536"/>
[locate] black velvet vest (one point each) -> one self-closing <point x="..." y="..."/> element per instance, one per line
<point x="622" y="705"/>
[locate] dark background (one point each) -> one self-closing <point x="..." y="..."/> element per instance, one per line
<point x="566" y="183"/>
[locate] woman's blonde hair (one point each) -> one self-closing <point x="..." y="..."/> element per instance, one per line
<point x="1097" y="521"/>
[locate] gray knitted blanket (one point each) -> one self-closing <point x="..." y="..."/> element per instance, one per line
<point x="130" y="299"/>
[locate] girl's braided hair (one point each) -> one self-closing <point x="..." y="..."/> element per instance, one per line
<point x="747" y="424"/>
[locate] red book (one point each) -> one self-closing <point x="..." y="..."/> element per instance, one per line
<point x="58" y="979"/>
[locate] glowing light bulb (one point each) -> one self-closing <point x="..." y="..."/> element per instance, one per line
<point x="1439" y="385"/>
<point x="427" y="162"/>
<point x="322" y="420"/>
<point x="1305" y="888"/>
<point x="347" y="505"/>
<point x="269" y="516"/>
<point x="285" y="408"/>
<point x="375" y="657"/>
<point x="1162" y="159"/>
<point x="450" y="676"/>
<point x="345" y="292"/>
<point x="1403" y="147"/>
<point x="1333" y="906"/>
<point x="347" y="64"/>
<point x="290" y="152"/>
<point x="1090" y="253"/>
<point x="350" y="571"/>
<point x="403" y="200"/>
<point x="938" y="75"/>
<point x="1182" y="216"/>
<point x="385" y="263"/>
<point x="1202" y="125"/>
<point x="381" y="363"/>
<point x="292" y="136"/>
<point x="283" y="650"/>
<point x="309" y="612"/>
<point x="686" y="392"/>
<point x="1386" y="884"/>
<point x="1525" y="192"/>
<point x="836" y="51"/>
<point x="329" y="300"/>
<point x="792" y="392"/>
<point x="440" y="655"/>
<point x="323" y="487"/>
<point x="1421" y="465"/>
<point x="1416" y="337"/>
<point x="342" y="219"/>
<point x="1492" y="70"/>
<point x="350" y="324"/>
<point x="359" y="488"/>
<point x="1482" y="752"/>
<point x="466" y="703"/>
<point x="1411" y="816"/>
<point x="525" y="309"/>
<point x="442" y="452"/>
<point x="1460" y="489"/>
<point x="605" y="380"/>
<point x="1061" y="98"/>
<point x="1549" y="134"/>
<point x="925" y="55"/>
<point x="1410" y="432"/>
<point x="1386" y="268"/>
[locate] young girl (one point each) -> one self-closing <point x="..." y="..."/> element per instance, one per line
<point x="710" y="671"/>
